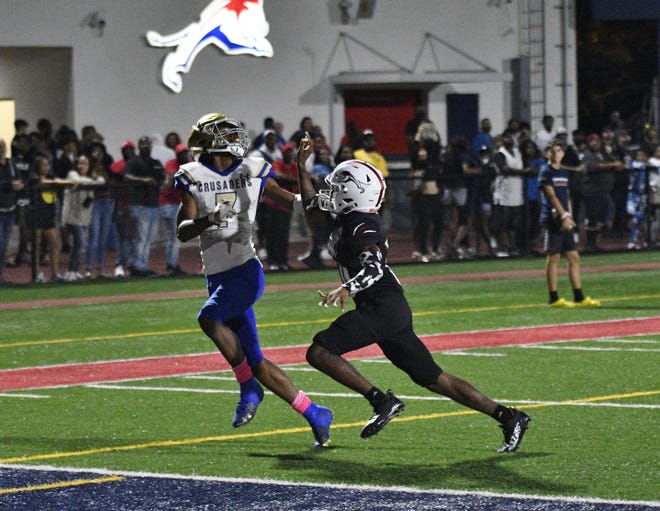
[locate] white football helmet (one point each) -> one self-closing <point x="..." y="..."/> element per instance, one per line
<point x="217" y="133"/>
<point x="354" y="185"/>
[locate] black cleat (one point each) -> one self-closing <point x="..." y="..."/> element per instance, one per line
<point x="514" y="429"/>
<point x="384" y="412"/>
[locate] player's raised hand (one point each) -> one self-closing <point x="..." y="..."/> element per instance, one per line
<point x="305" y="148"/>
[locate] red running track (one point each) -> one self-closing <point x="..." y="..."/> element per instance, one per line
<point x="136" y="369"/>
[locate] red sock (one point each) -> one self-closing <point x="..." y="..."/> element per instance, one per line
<point x="242" y="371"/>
<point x="301" y="402"/>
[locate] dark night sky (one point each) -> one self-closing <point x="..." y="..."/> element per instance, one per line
<point x="616" y="62"/>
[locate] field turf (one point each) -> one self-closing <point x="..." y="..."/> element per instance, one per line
<point x="591" y="389"/>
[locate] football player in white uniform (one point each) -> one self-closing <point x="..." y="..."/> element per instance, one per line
<point x="354" y="193"/>
<point x="220" y="191"/>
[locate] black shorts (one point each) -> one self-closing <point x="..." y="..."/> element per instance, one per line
<point x="556" y="241"/>
<point x="386" y="321"/>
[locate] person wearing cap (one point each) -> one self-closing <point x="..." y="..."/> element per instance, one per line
<point x="168" y="204"/>
<point x="270" y="124"/>
<point x="369" y="154"/>
<point x="119" y="192"/>
<point x="597" y="184"/>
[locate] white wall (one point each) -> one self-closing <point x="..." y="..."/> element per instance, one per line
<point x="116" y="78"/>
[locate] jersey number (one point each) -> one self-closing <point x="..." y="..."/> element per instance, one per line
<point x="225" y="197"/>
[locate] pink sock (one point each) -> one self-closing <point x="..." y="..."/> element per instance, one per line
<point x="301" y="402"/>
<point x="242" y="371"/>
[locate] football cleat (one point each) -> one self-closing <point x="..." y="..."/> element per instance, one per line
<point x="562" y="304"/>
<point x="251" y="396"/>
<point x="319" y="418"/>
<point x="384" y="412"/>
<point x="514" y="429"/>
<point x="588" y="302"/>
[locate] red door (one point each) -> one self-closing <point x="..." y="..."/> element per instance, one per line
<point x="386" y="112"/>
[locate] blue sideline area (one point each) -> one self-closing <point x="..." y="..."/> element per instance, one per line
<point x="26" y="490"/>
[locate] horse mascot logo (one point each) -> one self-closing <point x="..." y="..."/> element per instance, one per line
<point x="235" y="26"/>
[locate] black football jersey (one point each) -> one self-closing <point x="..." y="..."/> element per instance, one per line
<point x="351" y="233"/>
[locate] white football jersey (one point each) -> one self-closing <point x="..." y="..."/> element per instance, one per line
<point x="229" y="244"/>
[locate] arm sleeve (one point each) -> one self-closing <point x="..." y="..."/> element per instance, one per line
<point x="372" y="271"/>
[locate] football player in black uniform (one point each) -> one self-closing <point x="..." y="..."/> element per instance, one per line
<point x="382" y="315"/>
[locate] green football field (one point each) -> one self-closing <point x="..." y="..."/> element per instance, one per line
<point x="588" y="378"/>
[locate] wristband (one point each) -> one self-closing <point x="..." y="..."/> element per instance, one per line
<point x="566" y="215"/>
<point x="298" y="205"/>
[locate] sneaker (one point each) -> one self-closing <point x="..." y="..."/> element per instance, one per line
<point x="438" y="256"/>
<point x="588" y="302"/>
<point x="251" y="396"/>
<point x="313" y="262"/>
<point x="41" y="278"/>
<point x="119" y="271"/>
<point x="319" y="418"/>
<point x="501" y="253"/>
<point x="514" y="429"/>
<point x="384" y="412"/>
<point x="562" y="304"/>
<point x="304" y="256"/>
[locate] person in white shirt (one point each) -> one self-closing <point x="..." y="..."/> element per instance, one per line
<point x="546" y="134"/>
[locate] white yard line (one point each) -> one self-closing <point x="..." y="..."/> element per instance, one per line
<point x="24" y="396"/>
<point x="585" y="348"/>
<point x="354" y="395"/>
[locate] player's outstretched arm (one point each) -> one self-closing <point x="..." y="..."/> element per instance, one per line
<point x="305" y="149"/>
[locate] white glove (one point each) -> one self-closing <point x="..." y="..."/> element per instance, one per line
<point x="221" y="212"/>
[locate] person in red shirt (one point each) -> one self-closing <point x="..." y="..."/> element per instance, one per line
<point x="169" y="201"/>
<point x="279" y="218"/>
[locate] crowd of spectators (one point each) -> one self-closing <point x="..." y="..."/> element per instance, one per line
<point x="479" y="197"/>
<point x="66" y="201"/>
